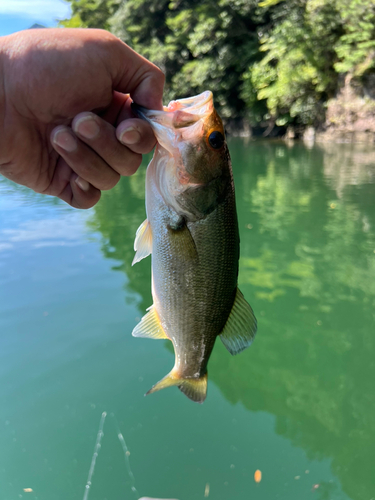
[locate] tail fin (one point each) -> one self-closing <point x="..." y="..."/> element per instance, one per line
<point x="194" y="388"/>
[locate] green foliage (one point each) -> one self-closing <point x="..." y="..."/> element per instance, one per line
<point x="91" y="13"/>
<point x="199" y="45"/>
<point x="266" y="61"/>
<point x="296" y="74"/>
<point x="356" y="48"/>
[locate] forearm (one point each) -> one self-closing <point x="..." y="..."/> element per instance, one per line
<point x="13" y="82"/>
<point x="3" y="153"/>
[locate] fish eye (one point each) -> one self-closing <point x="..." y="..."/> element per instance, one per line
<point x="216" y="139"/>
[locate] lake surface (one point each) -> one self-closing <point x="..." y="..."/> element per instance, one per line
<point x="299" y="404"/>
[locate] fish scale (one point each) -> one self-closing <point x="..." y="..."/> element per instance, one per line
<point x="191" y="231"/>
<point x="205" y="296"/>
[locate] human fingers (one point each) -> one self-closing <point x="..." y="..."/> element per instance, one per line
<point x="71" y="188"/>
<point x="84" y="195"/>
<point x="136" y="137"/>
<point x="129" y="128"/>
<point x="85" y="162"/>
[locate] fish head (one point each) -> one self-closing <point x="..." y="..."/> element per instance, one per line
<point x="192" y="167"/>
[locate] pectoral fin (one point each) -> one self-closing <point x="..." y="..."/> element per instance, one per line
<point x="241" y="326"/>
<point x="182" y="243"/>
<point x="149" y="326"/>
<point x="194" y="388"/>
<point x="142" y="242"/>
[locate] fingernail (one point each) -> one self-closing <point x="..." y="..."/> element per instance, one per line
<point x="87" y="127"/>
<point x="84" y="185"/>
<point x="130" y="136"/>
<point x="65" y="140"/>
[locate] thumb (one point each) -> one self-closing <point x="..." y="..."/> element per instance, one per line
<point x="133" y="74"/>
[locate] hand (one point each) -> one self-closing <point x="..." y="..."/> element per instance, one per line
<point x="66" y="127"/>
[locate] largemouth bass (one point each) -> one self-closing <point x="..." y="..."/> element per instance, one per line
<point x="191" y="231"/>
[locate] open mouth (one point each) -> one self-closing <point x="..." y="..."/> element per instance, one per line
<point x="181" y="112"/>
<point x="182" y="120"/>
<point x="199" y="104"/>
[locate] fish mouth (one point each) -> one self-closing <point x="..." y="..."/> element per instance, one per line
<point x="180" y="113"/>
<point x="199" y="104"/>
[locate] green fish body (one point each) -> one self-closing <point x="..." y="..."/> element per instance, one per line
<point x="191" y="232"/>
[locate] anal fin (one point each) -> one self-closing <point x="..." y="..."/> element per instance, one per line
<point x="194" y="388"/>
<point x="142" y="242"/>
<point x="149" y="326"/>
<point x="241" y="326"/>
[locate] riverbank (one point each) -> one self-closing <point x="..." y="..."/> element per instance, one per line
<point x="349" y="117"/>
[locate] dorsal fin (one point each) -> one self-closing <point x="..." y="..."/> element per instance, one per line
<point x="241" y="326"/>
<point x="150" y="326"/>
<point x="142" y="242"/>
<point x="194" y="388"/>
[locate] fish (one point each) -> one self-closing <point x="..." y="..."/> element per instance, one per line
<point x="191" y="232"/>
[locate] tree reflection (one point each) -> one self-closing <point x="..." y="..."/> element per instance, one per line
<point x="117" y="216"/>
<point x="308" y="268"/>
<point x="309" y="262"/>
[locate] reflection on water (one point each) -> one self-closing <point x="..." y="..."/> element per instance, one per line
<point x="348" y="165"/>
<point x="118" y="217"/>
<point x="299" y="404"/>
<point x="307" y="222"/>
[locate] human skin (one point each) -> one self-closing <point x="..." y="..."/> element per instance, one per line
<point x="66" y="127"/>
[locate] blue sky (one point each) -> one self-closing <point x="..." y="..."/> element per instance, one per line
<point x="16" y="15"/>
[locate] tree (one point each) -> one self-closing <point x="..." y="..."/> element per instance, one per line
<point x="356" y="47"/>
<point x="91" y="13"/>
<point x="199" y="45"/>
<point x="270" y="60"/>
<point x="296" y="75"/>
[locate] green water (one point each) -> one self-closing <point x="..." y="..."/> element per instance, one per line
<point x="299" y="404"/>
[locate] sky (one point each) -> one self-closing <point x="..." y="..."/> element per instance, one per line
<point x="16" y="15"/>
